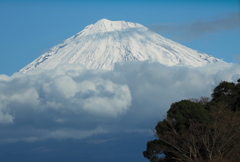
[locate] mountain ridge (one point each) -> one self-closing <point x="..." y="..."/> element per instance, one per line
<point x="100" y="45"/>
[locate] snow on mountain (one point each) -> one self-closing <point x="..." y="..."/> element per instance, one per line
<point x="104" y="43"/>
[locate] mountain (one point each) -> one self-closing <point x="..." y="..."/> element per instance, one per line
<point x="104" y="43"/>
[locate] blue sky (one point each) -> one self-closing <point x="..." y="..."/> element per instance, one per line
<point x="42" y="114"/>
<point x="30" y="28"/>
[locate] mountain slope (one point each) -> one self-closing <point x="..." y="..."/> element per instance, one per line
<point x="104" y="43"/>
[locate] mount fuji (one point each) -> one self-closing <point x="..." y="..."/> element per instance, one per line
<point x="100" y="45"/>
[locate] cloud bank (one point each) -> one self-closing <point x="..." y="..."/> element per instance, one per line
<point x="73" y="102"/>
<point x="200" y="28"/>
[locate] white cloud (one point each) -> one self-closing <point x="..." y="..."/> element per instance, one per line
<point x="73" y="102"/>
<point x="74" y="134"/>
<point x="5" y="118"/>
<point x="109" y="99"/>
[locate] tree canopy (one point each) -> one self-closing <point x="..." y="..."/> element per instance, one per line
<point x="199" y="130"/>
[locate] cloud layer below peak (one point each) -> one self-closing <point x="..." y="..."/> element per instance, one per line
<point x="74" y="102"/>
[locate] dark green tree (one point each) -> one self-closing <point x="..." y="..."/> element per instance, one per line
<point x="184" y="111"/>
<point x="200" y="130"/>
<point x="227" y="92"/>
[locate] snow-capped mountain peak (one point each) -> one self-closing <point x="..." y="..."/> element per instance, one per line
<point x="106" y="42"/>
<point x="105" y="25"/>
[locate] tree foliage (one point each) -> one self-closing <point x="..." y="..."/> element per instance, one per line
<point x="200" y="130"/>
